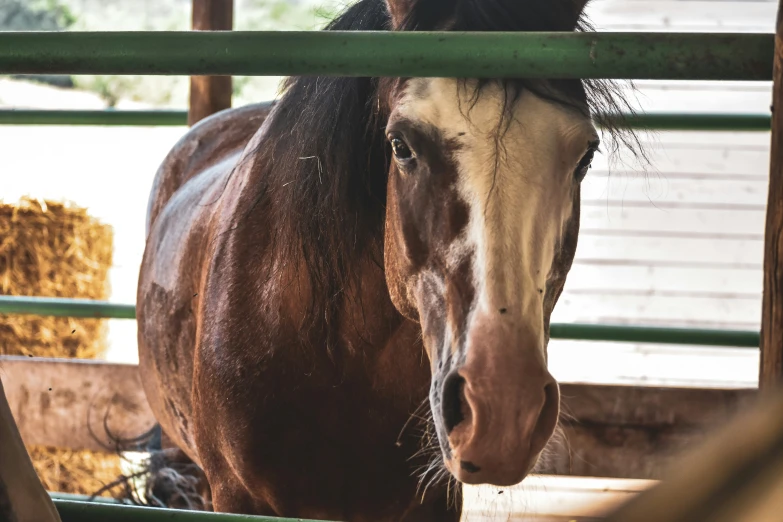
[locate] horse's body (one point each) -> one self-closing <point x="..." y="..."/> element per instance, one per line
<point x="314" y="441"/>
<point x="302" y="292"/>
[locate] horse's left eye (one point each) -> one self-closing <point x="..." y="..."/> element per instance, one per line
<point x="585" y="163"/>
<point x="401" y="150"/>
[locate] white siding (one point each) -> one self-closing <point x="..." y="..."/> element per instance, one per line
<point x="680" y="244"/>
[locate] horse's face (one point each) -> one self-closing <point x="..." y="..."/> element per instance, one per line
<point x="481" y="224"/>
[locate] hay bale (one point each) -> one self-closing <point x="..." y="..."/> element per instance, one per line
<point x="53" y="250"/>
<point x="80" y="472"/>
<point x="50" y="249"/>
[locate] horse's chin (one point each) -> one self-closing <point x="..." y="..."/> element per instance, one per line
<point x="508" y="477"/>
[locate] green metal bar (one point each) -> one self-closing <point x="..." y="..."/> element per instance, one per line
<point x="584" y="332"/>
<point x="51" y="306"/>
<point x="657" y="121"/>
<point x="75" y="511"/>
<point x="698" y="122"/>
<point x="663" y="56"/>
<point x="99" y="117"/>
<point x="657" y="335"/>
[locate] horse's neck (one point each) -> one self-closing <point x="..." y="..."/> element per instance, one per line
<point x="374" y="343"/>
<point x="383" y="345"/>
<point x="281" y="272"/>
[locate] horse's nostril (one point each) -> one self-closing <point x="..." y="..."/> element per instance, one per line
<point x="453" y="398"/>
<point x="547" y="419"/>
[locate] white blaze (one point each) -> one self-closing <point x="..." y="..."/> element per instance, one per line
<point x="518" y="184"/>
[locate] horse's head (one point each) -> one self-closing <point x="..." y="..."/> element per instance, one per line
<point x="481" y="226"/>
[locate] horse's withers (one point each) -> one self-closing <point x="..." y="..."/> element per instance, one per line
<point x="482" y="195"/>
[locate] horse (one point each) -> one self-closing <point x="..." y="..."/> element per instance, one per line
<point x="343" y="305"/>
<point x="22" y="496"/>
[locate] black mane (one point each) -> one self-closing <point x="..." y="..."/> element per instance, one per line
<point x="325" y="158"/>
<point x="324" y="182"/>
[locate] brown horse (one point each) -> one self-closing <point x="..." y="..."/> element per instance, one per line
<point x="317" y="269"/>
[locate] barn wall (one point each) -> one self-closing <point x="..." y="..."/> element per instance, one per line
<point x="610" y="431"/>
<point x="682" y="244"/>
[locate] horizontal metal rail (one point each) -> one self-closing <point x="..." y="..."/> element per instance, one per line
<point x="583" y="332"/>
<point x="60" y="307"/>
<point x="634" y="55"/>
<point x="655" y="335"/>
<point x="162" y="117"/>
<point x="148" y="118"/>
<point x="713" y="122"/>
<point x="76" y="511"/>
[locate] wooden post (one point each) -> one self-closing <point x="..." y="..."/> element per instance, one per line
<point x="210" y="94"/>
<point x="771" y="370"/>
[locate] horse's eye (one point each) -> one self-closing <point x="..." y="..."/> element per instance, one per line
<point x="586" y="162"/>
<point x="401" y="151"/>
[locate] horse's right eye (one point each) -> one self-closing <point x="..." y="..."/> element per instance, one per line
<point x="401" y="150"/>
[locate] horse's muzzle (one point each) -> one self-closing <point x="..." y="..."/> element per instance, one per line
<point x="500" y="408"/>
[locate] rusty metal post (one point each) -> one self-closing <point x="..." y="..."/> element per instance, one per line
<point x="771" y="367"/>
<point x="210" y="94"/>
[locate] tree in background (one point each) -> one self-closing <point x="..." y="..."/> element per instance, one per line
<point x="34" y="15"/>
<point x="37" y="15"/>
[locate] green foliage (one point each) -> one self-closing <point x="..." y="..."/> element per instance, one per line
<point x="62" y="13"/>
<point x="158" y="91"/>
<point x="238" y="84"/>
<point x="35" y="15"/>
<point x="283" y="15"/>
<point x="277" y="15"/>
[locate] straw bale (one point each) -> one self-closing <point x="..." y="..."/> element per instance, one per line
<point x="52" y="249"/>
<point x="80" y="472"/>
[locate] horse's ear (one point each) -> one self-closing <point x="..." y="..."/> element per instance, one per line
<point x="428" y="12"/>
<point x="399" y="9"/>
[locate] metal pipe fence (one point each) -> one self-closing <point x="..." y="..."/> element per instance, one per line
<point x="534" y="55"/>
<point x="136" y="118"/>
<point x="635" y="55"/>
<point x="78" y="511"/>
<point x="60" y="307"/>
<point x="669" y="56"/>
<point x="162" y="117"/>
<point x="585" y="332"/>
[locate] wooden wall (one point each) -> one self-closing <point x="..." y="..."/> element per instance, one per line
<point x="611" y="431"/>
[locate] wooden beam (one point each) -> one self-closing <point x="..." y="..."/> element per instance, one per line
<point x="612" y="431"/>
<point x="648" y="406"/>
<point x="771" y="367"/>
<point x="634" y="432"/>
<point x="63" y="402"/>
<point x="210" y="94"/>
<point x="548" y="498"/>
<point x="736" y="476"/>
